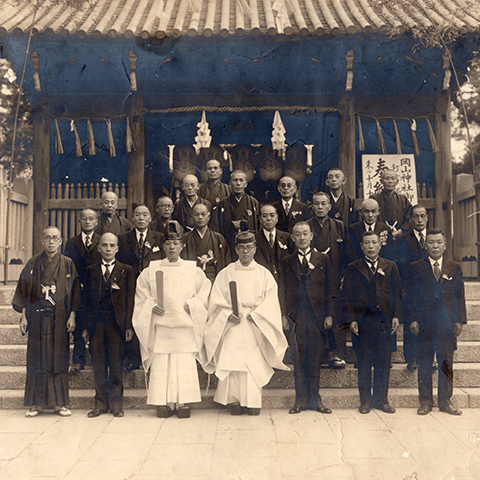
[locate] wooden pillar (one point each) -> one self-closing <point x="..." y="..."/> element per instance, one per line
<point x="136" y="165"/>
<point x="443" y="168"/>
<point x="347" y="142"/>
<point x="41" y="176"/>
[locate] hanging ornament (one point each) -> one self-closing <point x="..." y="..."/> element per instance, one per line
<point x="361" y="139"/>
<point x="416" y="148"/>
<point x="92" y="149"/>
<point x="58" y="140"/>
<point x="129" y="143"/>
<point x="432" y="137"/>
<point x="381" y="141"/>
<point x="111" y="143"/>
<point x="203" y="138"/>
<point x="278" y="134"/>
<point x="170" y="157"/>
<point x="398" y="142"/>
<point x="78" y="143"/>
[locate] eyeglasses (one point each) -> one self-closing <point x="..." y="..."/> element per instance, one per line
<point x="49" y="238"/>
<point x="245" y="248"/>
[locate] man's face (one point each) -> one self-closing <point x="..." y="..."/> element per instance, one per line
<point x="108" y="247"/>
<point x="109" y="203"/>
<point x="172" y="249"/>
<point x="141" y="218"/>
<point x="302" y="236"/>
<point x="321" y="206"/>
<point x="419" y="219"/>
<point x="238" y="183"/>
<point x="371" y="246"/>
<point x="268" y="218"/>
<point x="246" y="252"/>
<point x="200" y="216"/>
<point x="51" y="240"/>
<point x="435" y="245"/>
<point x="287" y="188"/>
<point x="88" y="221"/>
<point x="370" y="213"/>
<point x="335" y="179"/>
<point x="214" y="170"/>
<point x="190" y="186"/>
<point x="389" y="180"/>
<point x="164" y="208"/>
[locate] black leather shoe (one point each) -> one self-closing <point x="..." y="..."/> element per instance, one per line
<point x="164" y="411"/>
<point x="424" y="409"/>
<point x="387" y="408"/>
<point x="337" y="364"/>
<point x="96" y="412"/>
<point x="451" y="410"/>
<point x="183" y="412"/>
<point x="76" y="367"/>
<point x="364" y="409"/>
<point x="118" y="413"/>
<point x="236" y="409"/>
<point x="323" y="409"/>
<point x="253" y="411"/>
<point x="295" y="409"/>
<point x="129" y="367"/>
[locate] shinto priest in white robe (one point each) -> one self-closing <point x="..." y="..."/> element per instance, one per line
<point x="171" y="343"/>
<point x="244" y="355"/>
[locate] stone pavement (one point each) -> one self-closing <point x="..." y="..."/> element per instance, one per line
<point x="214" y="445"/>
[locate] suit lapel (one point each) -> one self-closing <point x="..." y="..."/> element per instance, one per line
<point x="296" y="266"/>
<point x="80" y="246"/>
<point x="95" y="240"/>
<point x="262" y="241"/>
<point x="132" y="241"/>
<point x="314" y="260"/>
<point x="362" y="268"/>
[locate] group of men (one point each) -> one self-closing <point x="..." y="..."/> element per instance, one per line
<point x="220" y="280"/>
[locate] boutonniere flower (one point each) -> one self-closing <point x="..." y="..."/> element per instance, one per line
<point x="114" y="286"/>
<point x="337" y="215"/>
<point x="68" y="275"/>
<point x="380" y="272"/>
<point x="155" y="249"/>
<point x="339" y="240"/>
<point x="147" y="244"/>
<point x="383" y="237"/>
<point x="282" y="246"/>
<point x="249" y="213"/>
<point x="295" y="213"/>
<point x="31" y="272"/>
<point x="446" y="277"/>
<point x="311" y="266"/>
<point x="222" y="210"/>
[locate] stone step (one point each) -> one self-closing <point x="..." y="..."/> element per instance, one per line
<point x="6" y="294"/>
<point x="465" y="375"/>
<point x="335" y="398"/>
<point x="472" y="290"/>
<point x="8" y="316"/>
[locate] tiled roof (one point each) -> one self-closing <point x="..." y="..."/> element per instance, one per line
<point x="160" y="18"/>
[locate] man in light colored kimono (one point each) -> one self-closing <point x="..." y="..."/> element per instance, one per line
<point x="244" y="340"/>
<point x="169" y="320"/>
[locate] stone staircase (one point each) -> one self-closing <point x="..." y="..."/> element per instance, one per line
<point x="338" y="387"/>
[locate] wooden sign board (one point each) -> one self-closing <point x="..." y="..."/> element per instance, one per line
<point x="404" y="165"/>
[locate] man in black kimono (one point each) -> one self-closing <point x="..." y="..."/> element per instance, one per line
<point x="182" y="211"/>
<point x="209" y="249"/>
<point x="47" y="295"/>
<point x="342" y="204"/>
<point x="229" y="212"/>
<point x="110" y="220"/>
<point x="213" y="189"/>
<point x="164" y="211"/>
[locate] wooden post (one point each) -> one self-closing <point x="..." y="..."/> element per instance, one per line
<point x="443" y="168"/>
<point x="41" y="177"/>
<point x="347" y="141"/>
<point x="136" y="165"/>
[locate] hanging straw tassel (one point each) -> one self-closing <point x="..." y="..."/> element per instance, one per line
<point x="432" y="137"/>
<point x="416" y="147"/>
<point x="58" y="140"/>
<point x="92" y="149"/>
<point x="78" y="143"/>
<point x="361" y="139"/>
<point x="381" y="141"/>
<point x="398" y="142"/>
<point x="129" y="143"/>
<point x="111" y="143"/>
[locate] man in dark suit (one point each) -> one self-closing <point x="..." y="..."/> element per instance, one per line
<point x="439" y="313"/>
<point x="330" y="236"/>
<point x="369" y="212"/>
<point x="82" y="249"/>
<point x="410" y="248"/>
<point x="164" y="209"/>
<point x="109" y="294"/>
<point x="272" y="244"/>
<point x="110" y="220"/>
<point x="342" y="204"/>
<point x="373" y="304"/>
<point x="290" y="210"/>
<point x="307" y="300"/>
<point x="138" y="248"/>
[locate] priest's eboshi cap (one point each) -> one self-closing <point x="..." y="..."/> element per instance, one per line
<point x="244" y="237"/>
<point x="174" y="231"/>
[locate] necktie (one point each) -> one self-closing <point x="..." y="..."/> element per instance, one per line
<point x="287" y="208"/>
<point x="88" y="241"/>
<point x="422" y="241"/>
<point x="436" y="270"/>
<point x="107" y="272"/>
<point x="140" y="240"/>
<point x="270" y="240"/>
<point x="372" y="266"/>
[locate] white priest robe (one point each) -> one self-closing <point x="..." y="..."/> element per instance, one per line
<point x="171" y="343"/>
<point x="243" y="356"/>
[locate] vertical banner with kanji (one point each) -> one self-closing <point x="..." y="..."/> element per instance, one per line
<point x="404" y="165"/>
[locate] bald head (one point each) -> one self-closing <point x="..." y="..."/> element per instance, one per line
<point x="88" y="220"/>
<point x="200" y="216"/>
<point x="389" y="179"/>
<point x="108" y="246"/>
<point x="190" y="185"/>
<point x="370" y="211"/>
<point x="109" y="203"/>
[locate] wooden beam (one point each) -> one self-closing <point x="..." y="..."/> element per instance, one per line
<point x="347" y="142"/>
<point x="41" y="177"/>
<point x="136" y="165"/>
